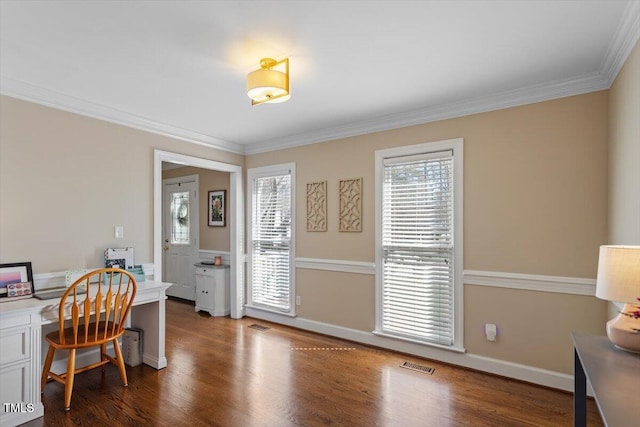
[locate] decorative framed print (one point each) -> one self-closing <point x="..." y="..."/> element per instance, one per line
<point x="317" y="206"/>
<point x="217" y="200"/>
<point x="16" y="281"/>
<point x="350" y="204"/>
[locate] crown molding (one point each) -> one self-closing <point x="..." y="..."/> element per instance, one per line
<point x="626" y="37"/>
<point x="512" y="98"/>
<point x="623" y="42"/>
<point x="28" y="92"/>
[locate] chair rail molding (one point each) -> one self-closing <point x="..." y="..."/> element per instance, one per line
<point x="343" y="266"/>
<point x="531" y="282"/>
<point x="508" y="280"/>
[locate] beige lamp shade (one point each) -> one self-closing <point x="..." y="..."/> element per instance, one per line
<point x="619" y="274"/>
<point x="269" y="85"/>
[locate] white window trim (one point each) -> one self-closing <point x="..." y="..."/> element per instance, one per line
<point x="259" y="172"/>
<point x="456" y="145"/>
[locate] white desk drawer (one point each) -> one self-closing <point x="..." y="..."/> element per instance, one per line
<point x="15" y="345"/>
<point x="9" y="321"/>
<point x="15" y="381"/>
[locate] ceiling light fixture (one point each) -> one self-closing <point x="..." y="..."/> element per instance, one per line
<point x="269" y="84"/>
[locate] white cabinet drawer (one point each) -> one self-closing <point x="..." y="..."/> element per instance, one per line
<point x="15" y="380"/>
<point x="205" y="271"/>
<point x="15" y="345"/>
<point x="15" y="320"/>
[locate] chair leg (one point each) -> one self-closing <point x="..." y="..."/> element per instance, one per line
<point x="120" y="360"/>
<point x="68" y="385"/>
<point x="47" y="367"/>
<point x="103" y="352"/>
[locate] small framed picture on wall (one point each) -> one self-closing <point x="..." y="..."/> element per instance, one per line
<point x="217" y="200"/>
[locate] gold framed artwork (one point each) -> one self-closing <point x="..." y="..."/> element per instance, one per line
<point x="317" y="206"/>
<point x="350" y="205"/>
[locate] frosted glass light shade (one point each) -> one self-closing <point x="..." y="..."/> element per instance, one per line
<point x="619" y="274"/>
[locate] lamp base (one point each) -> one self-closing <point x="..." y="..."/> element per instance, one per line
<point x="621" y="333"/>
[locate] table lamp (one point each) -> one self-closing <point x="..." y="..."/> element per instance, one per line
<point x="619" y="280"/>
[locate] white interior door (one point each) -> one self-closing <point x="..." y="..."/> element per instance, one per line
<point x="181" y="231"/>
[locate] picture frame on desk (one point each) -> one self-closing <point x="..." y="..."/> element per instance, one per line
<point x="217" y="201"/>
<point x="16" y="281"/>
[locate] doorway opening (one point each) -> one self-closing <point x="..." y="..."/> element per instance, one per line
<point x="235" y="221"/>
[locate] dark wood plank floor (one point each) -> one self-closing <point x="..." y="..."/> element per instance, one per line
<point x="223" y="373"/>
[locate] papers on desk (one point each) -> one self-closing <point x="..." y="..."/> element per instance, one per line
<point x="119" y="257"/>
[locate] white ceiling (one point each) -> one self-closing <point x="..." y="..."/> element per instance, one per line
<point x="179" y="67"/>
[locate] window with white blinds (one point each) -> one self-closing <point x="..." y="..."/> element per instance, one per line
<point x="271" y="239"/>
<point x="417" y="284"/>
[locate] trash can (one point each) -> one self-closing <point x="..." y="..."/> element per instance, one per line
<point x="132" y="346"/>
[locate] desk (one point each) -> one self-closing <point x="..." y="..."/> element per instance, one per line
<point x="614" y="376"/>
<point x="21" y="324"/>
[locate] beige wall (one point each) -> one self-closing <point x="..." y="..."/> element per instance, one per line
<point x="535" y="190"/>
<point x="67" y="180"/>
<point x="624" y="156"/>
<point x="534" y="328"/>
<point x="624" y="153"/>
<point x="535" y="197"/>
<point x="535" y="201"/>
<point x="211" y="238"/>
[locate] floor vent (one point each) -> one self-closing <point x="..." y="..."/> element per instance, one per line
<point x="259" y="327"/>
<point x="419" y="368"/>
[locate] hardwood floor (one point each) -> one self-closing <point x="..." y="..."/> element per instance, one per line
<point x="223" y="373"/>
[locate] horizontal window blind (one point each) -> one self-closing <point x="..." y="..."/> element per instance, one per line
<point x="271" y="242"/>
<point x="417" y="248"/>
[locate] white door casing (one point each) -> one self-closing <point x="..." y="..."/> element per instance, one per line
<point x="181" y="251"/>
<point x="236" y="220"/>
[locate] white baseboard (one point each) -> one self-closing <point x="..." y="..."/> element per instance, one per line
<point x="517" y="371"/>
<point x="154" y="362"/>
<point x="18" y="418"/>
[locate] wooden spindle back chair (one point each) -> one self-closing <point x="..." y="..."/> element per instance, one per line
<point x="97" y="317"/>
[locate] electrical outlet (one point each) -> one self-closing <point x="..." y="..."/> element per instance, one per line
<point x="298" y="299"/>
<point x="491" y="331"/>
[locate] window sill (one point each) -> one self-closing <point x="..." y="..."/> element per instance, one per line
<point x="270" y="310"/>
<point x="415" y="341"/>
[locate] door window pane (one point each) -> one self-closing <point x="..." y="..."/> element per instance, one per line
<point x="180" y="218"/>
